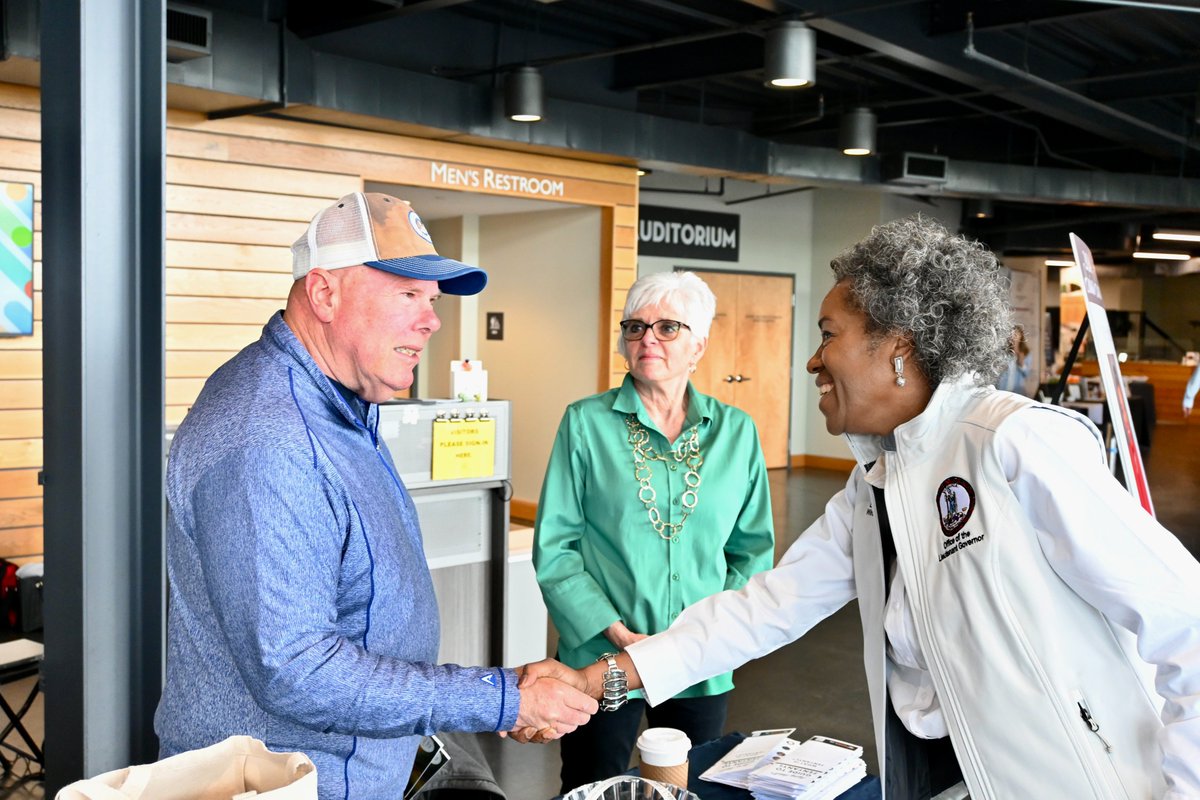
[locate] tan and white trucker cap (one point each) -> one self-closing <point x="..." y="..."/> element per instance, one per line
<point x="384" y="232"/>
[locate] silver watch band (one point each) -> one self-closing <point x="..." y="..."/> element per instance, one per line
<point x="616" y="684"/>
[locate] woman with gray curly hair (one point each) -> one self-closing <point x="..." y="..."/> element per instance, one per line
<point x="1013" y="595"/>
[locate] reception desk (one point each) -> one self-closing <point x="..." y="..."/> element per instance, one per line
<point x="1169" y="380"/>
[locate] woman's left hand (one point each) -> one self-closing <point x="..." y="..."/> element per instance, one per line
<point x="621" y="636"/>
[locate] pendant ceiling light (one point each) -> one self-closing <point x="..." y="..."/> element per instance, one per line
<point x="523" y="95"/>
<point x="980" y="208"/>
<point x="790" y="58"/>
<point x="856" y="133"/>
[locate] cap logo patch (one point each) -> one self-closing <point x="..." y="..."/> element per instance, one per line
<point x="419" y="227"/>
<point x="955" y="503"/>
<point x="489" y="679"/>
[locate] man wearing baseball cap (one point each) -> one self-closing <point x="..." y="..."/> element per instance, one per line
<point x="301" y="608"/>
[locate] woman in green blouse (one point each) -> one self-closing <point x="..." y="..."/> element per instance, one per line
<point x="655" y="496"/>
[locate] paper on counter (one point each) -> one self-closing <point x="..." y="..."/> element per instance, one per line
<point x="734" y="768"/>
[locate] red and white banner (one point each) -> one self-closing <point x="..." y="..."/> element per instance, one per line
<point x="1110" y="376"/>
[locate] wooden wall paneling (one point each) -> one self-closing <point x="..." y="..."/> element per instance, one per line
<point x="14" y="95"/>
<point x="226" y="255"/>
<point x="335" y="138"/>
<point x="16" y="543"/>
<point x="228" y="283"/>
<point x="196" y="363"/>
<point x="183" y="391"/>
<point x="240" y="230"/>
<point x="21" y="364"/>
<point x="256" y="205"/>
<point x="24" y="176"/>
<point x="19" y="483"/>
<point x="20" y="154"/>
<point x="607" y="334"/>
<point x="386" y="166"/>
<point x="254" y="177"/>
<point x="198" y="336"/>
<point x="21" y="453"/>
<point x="220" y="311"/>
<point x="22" y="423"/>
<point x="21" y="124"/>
<point x="21" y="512"/>
<point x="20" y="394"/>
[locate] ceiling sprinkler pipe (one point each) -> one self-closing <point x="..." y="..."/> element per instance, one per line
<point x="970" y="52"/>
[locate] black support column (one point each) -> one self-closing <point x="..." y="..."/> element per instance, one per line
<point x="102" y="267"/>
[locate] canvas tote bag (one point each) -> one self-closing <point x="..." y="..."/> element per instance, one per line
<point x="238" y="768"/>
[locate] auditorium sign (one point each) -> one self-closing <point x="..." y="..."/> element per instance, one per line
<point x="684" y="233"/>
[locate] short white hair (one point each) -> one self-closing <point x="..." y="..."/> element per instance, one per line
<point x="685" y="291"/>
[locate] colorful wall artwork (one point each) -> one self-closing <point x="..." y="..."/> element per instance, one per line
<point x="16" y="259"/>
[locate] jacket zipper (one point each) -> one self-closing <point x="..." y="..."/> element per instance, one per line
<point x="1114" y="782"/>
<point x="1093" y="726"/>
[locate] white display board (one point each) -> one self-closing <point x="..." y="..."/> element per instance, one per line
<point x="1026" y="284"/>
<point x="1110" y="374"/>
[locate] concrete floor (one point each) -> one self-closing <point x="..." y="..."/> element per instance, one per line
<point x="816" y="684"/>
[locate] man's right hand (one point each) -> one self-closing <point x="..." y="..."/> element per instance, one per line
<point x="551" y="708"/>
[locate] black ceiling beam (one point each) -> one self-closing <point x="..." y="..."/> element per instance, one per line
<point x="693" y="61"/>
<point x="950" y="16"/>
<point x="900" y="32"/>
<point x="699" y="11"/>
<point x="306" y="19"/>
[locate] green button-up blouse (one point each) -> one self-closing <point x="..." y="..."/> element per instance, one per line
<point x="599" y="560"/>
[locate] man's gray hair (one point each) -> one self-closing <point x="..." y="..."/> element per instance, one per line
<point x="945" y="292"/>
<point x="686" y="291"/>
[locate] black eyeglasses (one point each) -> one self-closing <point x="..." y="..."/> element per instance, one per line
<point x="665" y="330"/>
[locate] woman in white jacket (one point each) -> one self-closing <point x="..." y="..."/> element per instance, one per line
<point x="1028" y="628"/>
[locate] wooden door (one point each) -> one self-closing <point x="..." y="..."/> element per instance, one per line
<point x="714" y="373"/>
<point x="749" y="358"/>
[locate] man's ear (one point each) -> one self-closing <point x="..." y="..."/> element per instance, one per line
<point x="323" y="293"/>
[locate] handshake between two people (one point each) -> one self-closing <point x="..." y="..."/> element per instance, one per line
<point x="555" y="700"/>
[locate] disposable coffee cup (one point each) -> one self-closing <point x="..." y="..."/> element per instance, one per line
<point x="664" y="755"/>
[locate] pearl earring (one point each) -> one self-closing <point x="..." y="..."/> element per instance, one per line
<point x="898" y="365"/>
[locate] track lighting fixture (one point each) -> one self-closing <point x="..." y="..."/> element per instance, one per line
<point x="524" y="96"/>
<point x="856" y="132"/>
<point x="790" y="57"/>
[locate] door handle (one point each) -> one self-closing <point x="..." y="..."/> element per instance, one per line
<point x="729" y="379"/>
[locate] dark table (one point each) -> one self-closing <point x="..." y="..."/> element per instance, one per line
<point x="705" y="755"/>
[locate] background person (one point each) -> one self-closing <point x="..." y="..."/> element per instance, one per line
<point x="655" y="496"/>
<point x="301" y="608"/>
<point x="1190" y="391"/>
<point x="1012" y="379"/>
<point x="1002" y="575"/>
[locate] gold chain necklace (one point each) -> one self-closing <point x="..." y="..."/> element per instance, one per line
<point x="686" y="453"/>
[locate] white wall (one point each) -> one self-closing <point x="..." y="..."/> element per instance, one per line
<point x="776" y="236"/>
<point x="457" y="238"/>
<point x="842" y="217"/>
<point x="544" y="275"/>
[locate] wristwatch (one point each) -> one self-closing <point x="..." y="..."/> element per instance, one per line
<point x="616" y="686"/>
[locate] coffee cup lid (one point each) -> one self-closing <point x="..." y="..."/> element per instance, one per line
<point x="663" y="747"/>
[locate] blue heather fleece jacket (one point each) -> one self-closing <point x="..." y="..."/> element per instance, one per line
<point x="301" y="607"/>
